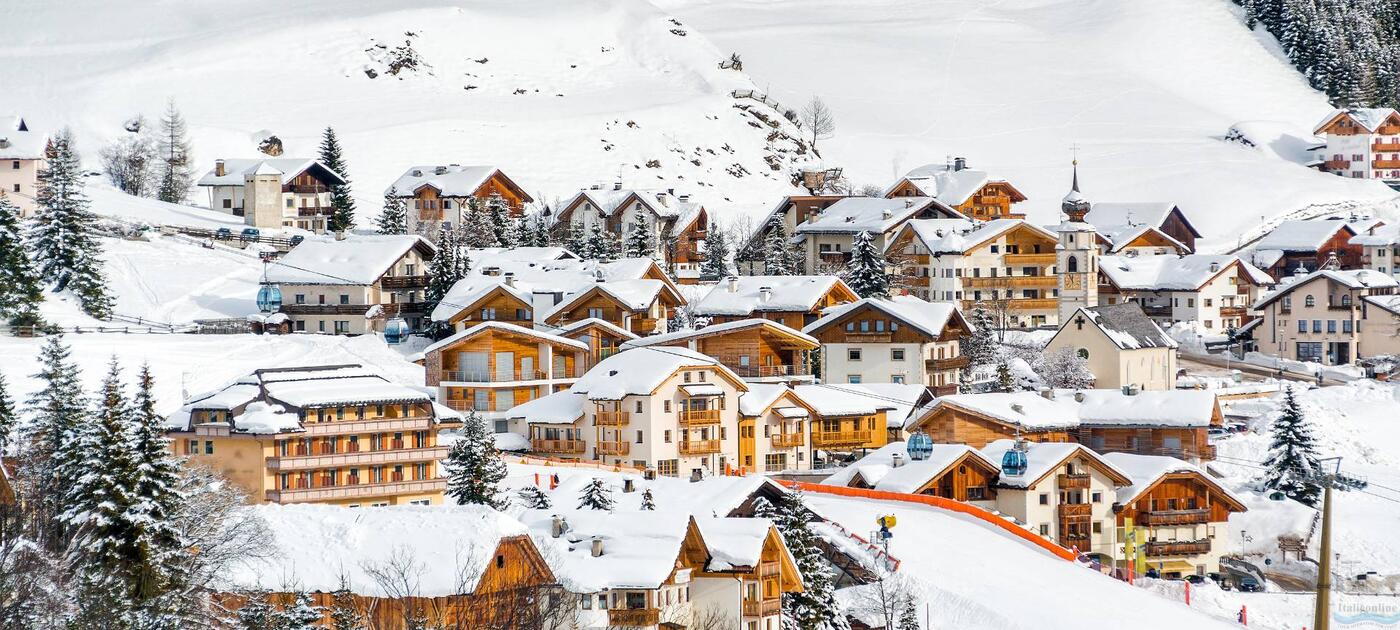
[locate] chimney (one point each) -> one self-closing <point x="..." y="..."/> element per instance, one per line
<point x="417" y="173"/>
<point x="1214" y="267"/>
<point x="558" y="526"/>
<point x="597" y="547"/>
<point x="1332" y="263"/>
<point x="1048" y="393"/>
<point x="617" y="185"/>
<point x="733" y="284"/>
<point x="491" y="271"/>
<point x="765" y="294"/>
<point x="510" y="280"/>
<point x="684" y="197"/>
<point x="908" y="203"/>
<point x="598" y="275"/>
<point x="1016" y="407"/>
<point x="1130" y="390"/>
<point x="959" y="163"/>
<point x="887" y="213"/>
<point x="696" y="474"/>
<point x="441" y="170"/>
<point x="219" y="169"/>
<point x="629" y="485"/>
<point x="896" y="460"/>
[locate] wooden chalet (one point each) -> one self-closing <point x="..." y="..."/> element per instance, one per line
<point x="793" y="301"/>
<point x="1155" y="226"/>
<point x="755" y="349"/>
<point x="603" y="339"/>
<point x="844" y="422"/>
<point x="791" y="211"/>
<point x="902" y="340"/>
<point x="640" y="306"/>
<point x="951" y="471"/>
<point x="494" y="366"/>
<point x="980" y="419"/>
<point x="1179" y="511"/>
<point x="1307" y="245"/>
<point x="969" y="191"/>
<point x="773" y="429"/>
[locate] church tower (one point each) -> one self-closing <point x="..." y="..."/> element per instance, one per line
<point x="1077" y="256"/>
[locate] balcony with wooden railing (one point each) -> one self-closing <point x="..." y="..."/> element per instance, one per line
<point x="944" y="390"/>
<point x="315" y="211"/>
<point x="1156" y="311"/>
<point x="868" y="337"/>
<point x="1178" y="548"/>
<point x="325" y="309"/>
<point x="769" y="568"/>
<point x="1233" y="311"/>
<point x="1162" y="518"/>
<point x="368" y="425"/>
<point x="951" y="363"/>
<point x="1393" y="147"/>
<point x="614" y="448"/>
<point x="305" y="189"/>
<point x="699" y="447"/>
<point x="356" y="490"/>
<point x="403" y="282"/>
<point x="1032" y="304"/>
<point x="1385" y="163"/>
<point x="839" y="439"/>
<point x="1072" y="481"/>
<point x="1074" y="510"/>
<point x="762" y="607"/>
<point x="1336" y="165"/>
<point x="360" y="458"/>
<point x="1078" y="540"/>
<point x="787" y="440"/>
<point x="698" y="417"/>
<point x="634" y="617"/>
<point x="1030" y="259"/>
<point x="491" y="376"/>
<point x="764" y="371"/>
<point x="611" y="418"/>
<point x="569" y="447"/>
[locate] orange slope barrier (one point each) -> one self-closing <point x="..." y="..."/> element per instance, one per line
<point x="941" y="503"/>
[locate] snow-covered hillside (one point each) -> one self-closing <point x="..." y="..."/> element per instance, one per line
<point x="560" y="95"/>
<point x="1146" y="89"/>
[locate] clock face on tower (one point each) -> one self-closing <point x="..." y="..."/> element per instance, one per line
<point x="1074" y="281"/>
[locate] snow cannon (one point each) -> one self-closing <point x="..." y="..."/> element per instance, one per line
<point x="396" y="331"/>
<point x="920" y="446"/>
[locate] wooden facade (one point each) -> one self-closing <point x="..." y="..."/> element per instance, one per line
<point x="992" y="201"/>
<point x="1179" y="498"/>
<point x="597" y="303"/>
<point x="430" y="205"/>
<point x="950" y="424"/>
<point x="760" y="351"/>
<point x="839" y="293"/>
<point x="1339" y="243"/>
<point x="1178" y="442"/>
<point x="603" y="340"/>
<point x="497" y="305"/>
<point x="515" y="369"/>
<point x="969" y="478"/>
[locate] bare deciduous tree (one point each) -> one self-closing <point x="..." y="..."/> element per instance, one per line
<point x="818" y="120"/>
<point x="886" y="599"/>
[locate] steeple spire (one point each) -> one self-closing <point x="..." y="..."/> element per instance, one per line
<point x="1075" y="204"/>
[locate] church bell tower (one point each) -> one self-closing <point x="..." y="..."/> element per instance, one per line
<point x="1077" y="256"/>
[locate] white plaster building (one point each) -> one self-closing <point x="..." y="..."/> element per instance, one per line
<point x="1362" y="143"/>
<point x="1217" y="291"/>
<point x="21" y="159"/>
<point x="273" y="192"/>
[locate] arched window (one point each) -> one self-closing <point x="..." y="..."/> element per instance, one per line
<point x="1083" y="353"/>
<point x="1073" y="265"/>
<point x="1346" y="299"/>
<point x="1309" y="301"/>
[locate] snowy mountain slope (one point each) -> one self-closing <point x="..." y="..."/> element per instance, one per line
<point x="1146" y="89"/>
<point x="560" y="95"/>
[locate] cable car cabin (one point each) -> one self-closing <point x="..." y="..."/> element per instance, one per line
<point x="1013" y="463"/>
<point x="920" y="446"/>
<point x="396" y="331"/>
<point x="269" y="298"/>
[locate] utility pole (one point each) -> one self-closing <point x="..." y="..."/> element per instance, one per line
<point x="1324" y="564"/>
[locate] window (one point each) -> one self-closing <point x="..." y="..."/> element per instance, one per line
<point x="897" y="379"/>
<point x="228" y="203"/>
<point x="639" y="436"/>
<point x="596" y="313"/>
<point x="14" y="165"/>
<point x="1044" y="529"/>
<point x="853" y="354"/>
<point x="853" y="379"/>
<point x="1346" y="326"/>
<point x="1098" y="527"/>
<point x="666" y="436"/>
<point x="1317" y="325"/>
<point x="1097" y="497"/>
<point x="16" y="188"/>
<point x="488" y="314"/>
<point x="1045" y="498"/>
<point x="1083" y="353"/>
<point x="865" y="325"/>
<point x="1331" y="325"/>
<point x="1302" y="325"/>
<point x="208" y="447"/>
<point x="344" y="298"/>
<point x="666" y="407"/>
<point x="639" y="406"/>
<point x="1309" y="301"/>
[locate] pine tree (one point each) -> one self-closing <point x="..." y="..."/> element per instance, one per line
<point x="1005" y="381"/>
<point x="1292" y="464"/>
<point x="647" y="502"/>
<point x="474" y="468"/>
<point x="979" y="345"/>
<point x="57" y="412"/>
<point x="498" y="213"/>
<point x="640" y="242"/>
<point x="716" y="263"/>
<point x="534" y="498"/>
<point x="345" y="614"/>
<point x="393" y="219"/>
<point x="575" y="241"/>
<point x="62" y="234"/>
<point x="343" y="217"/>
<point x="777" y="252"/>
<point x="8" y="419"/>
<point x="301" y="614"/>
<point x="20" y="294"/>
<point x="448" y="265"/>
<point x="258" y="613"/>
<point x="155" y="498"/>
<point x="909" y="616"/>
<point x="596" y="496"/>
<point x="600" y="245"/>
<point x="815" y="608"/>
<point x="175" y="176"/>
<point x="867" y="274"/>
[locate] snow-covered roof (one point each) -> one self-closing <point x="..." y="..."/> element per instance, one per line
<point x="759" y="397"/>
<point x="1174" y="273"/>
<point x="578" y="325"/>
<point x="318" y="545"/>
<point x="1370" y="118"/>
<point x="636" y="295"/>
<point x="453" y="180"/>
<point x="18" y="141"/>
<point x="877" y="468"/>
<point x="1106" y="214"/>
<point x="640" y="549"/>
<point x="331" y="392"/>
<point x="564" y="407"/>
<point x="507" y="328"/>
<point x="498" y="255"/>
<point x="943" y="182"/>
<point x="1124" y="324"/>
<point x="1044" y="457"/>
<point x="743" y="295"/>
<point x="355" y="260"/>
<point x="903" y="399"/>
<point x="959" y="236"/>
<point x="1027" y="410"/>
<point x="733" y="543"/>
<point x="1349" y="278"/>
<point x="663" y="204"/>
<point x="845" y="399"/>
<point x="667" y="339"/>
<point x="929" y="318"/>
<point x="1120" y="237"/>
<point x="1302" y="236"/>
<point x="1146" y="470"/>
<point x="1171" y="408"/>
<point x="547" y="280"/>
<point x="1380" y="236"/>
<point x="639" y="371"/>
<point x="236" y="170"/>
<point x="852" y="215"/>
<point x="1387" y="302"/>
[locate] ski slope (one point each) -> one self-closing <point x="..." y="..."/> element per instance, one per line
<point x="1145" y="89"/>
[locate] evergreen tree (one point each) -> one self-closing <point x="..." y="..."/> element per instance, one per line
<point x="343" y="217"/>
<point x="716" y="263"/>
<point x="979" y="345"/>
<point x="1063" y="369"/>
<point x="345" y="614"/>
<point x="393" y="219"/>
<point x="647" y="502"/>
<point x="62" y="234"/>
<point x="175" y="176"/>
<point x="1292" y="464"/>
<point x="909" y="616"/>
<point x="258" y="613"/>
<point x="501" y="224"/>
<point x="534" y="498"/>
<point x="20" y="294"/>
<point x="449" y="264"/>
<point x="867" y="274"/>
<point x="575" y="241"/>
<point x="778" y="255"/>
<point x="57" y="412"/>
<point x="301" y="614"/>
<point x="815" y="608"/>
<point x="1005" y="381"/>
<point x="596" y="496"/>
<point x="478" y="230"/>
<point x="474" y="468"/>
<point x="156" y="499"/>
<point x="640" y="242"/>
<point x="8" y="419"/>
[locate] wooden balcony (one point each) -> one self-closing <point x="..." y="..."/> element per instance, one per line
<point x="699" y="447"/>
<point x="611" y="418"/>
<point x="1033" y="304"/>
<point x="355" y="491"/>
<point x="787" y="440"/>
<point x="839" y="439"/>
<point x="634" y="617"/>
<point x="944" y="390"/>
<point x="570" y="447"/>
<point x="315" y="211"/>
<point x="1078" y="541"/>
<point x="769" y="569"/>
<point x="1233" y="311"/>
<point x="953" y="363"/>
<point x="1385" y="163"/>
<point x="403" y="282"/>
<point x="1157" y="311"/>
<point x="1162" y="518"/>
<point x="614" y="448"/>
<point x="698" y="417"/>
<point x="374" y="425"/>
<point x="1071" y="482"/>
<point x="325" y="309"/>
<point x="764" y="371"/>
<point x="305" y="189"/>
<point x="491" y="376"/>
<point x="1178" y="548"/>
<point x="361" y="458"/>
<point x="762" y="607"/>
<point x="405" y="308"/>
<point x="868" y="337"/>
<point x="1030" y="259"/>
<point x="916" y="259"/>
<point x="1074" y="510"/>
<point x="1336" y="165"/>
<point x="1385" y="146"/>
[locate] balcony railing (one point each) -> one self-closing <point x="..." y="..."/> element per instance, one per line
<point x="361" y="458"/>
<point x="634" y="617"/>
<point x="403" y="282"/>
<point x="837" y="439"/>
<point x="325" y="309"/>
<point x="1032" y="304"/>
<point x="492" y="376"/>
<point x="315" y="211"/>
<point x="1157" y="311"/>
<point x="953" y="363"/>
<point x="1030" y="259"/>
<point x="1174" y="517"/>
<point x="763" y="371"/>
<point x="696" y="417"/>
<point x="1074" y="510"/>
<point x="611" y="418"/>
<point x="769" y="569"/>
<point x="868" y="337"/>
<point x="1386" y="146"/>
<point x="306" y="188"/>
<point x="354" y="491"/>
<point x="614" y="448"/>
<point x="405" y="308"/>
<point x="1385" y="163"/>
<point x="762" y="607"/>
<point x="945" y="390"/>
<point x="558" y="446"/>
<point x="1232" y="311"/>
<point x="699" y="447"/>
<point x="1070" y="482"/>
<point x="1178" y="548"/>
<point x="787" y="440"/>
<point x="372" y="425"/>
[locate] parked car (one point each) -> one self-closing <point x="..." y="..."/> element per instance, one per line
<point x="1250" y="585"/>
<point x="1196" y="579"/>
<point x="1217" y="431"/>
<point x="250" y="234"/>
<point x="297" y="239"/>
<point x="223" y="234"/>
<point x="1220" y="581"/>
